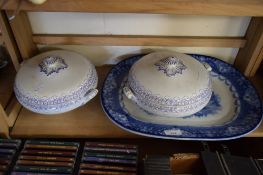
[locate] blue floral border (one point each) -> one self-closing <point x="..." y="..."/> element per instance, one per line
<point x="249" y="117"/>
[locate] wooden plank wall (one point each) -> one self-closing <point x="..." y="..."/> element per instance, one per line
<point x="180" y="7"/>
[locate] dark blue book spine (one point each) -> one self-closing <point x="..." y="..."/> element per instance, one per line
<point x="116" y="150"/>
<point x="26" y="173"/>
<point x="39" y="142"/>
<point x="106" y="160"/>
<point x="7" y="151"/>
<point x="43" y="169"/>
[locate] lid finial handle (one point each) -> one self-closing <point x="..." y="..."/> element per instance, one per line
<point x="52" y="64"/>
<point x="171" y="66"/>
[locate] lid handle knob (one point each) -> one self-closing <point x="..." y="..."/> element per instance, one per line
<point x="171" y="66"/>
<point x="52" y="64"/>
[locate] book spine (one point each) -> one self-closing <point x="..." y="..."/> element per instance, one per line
<point x="57" y="164"/>
<point x="7" y="151"/>
<point x="3" y="167"/>
<point x="27" y="173"/>
<point x="55" y="153"/>
<point x="97" y="144"/>
<point x="59" y="159"/>
<point x="10" y="141"/>
<point x="42" y="169"/>
<point x="29" y="146"/>
<point x="8" y="145"/>
<point x="106" y="167"/>
<point x="117" y="156"/>
<point x="39" y="142"/>
<point x="104" y="160"/>
<point x="5" y="156"/>
<point x="105" y="172"/>
<point x="128" y="151"/>
<point x="4" y="162"/>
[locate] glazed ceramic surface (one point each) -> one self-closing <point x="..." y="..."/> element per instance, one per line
<point x="169" y="84"/>
<point x="55" y="82"/>
<point x="233" y="111"/>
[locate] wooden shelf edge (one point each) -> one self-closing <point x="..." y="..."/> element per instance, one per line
<point x="143" y="40"/>
<point x="186" y="7"/>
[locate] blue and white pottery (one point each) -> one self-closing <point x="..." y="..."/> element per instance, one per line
<point x="169" y="84"/>
<point x="233" y="111"/>
<point x="55" y="82"/>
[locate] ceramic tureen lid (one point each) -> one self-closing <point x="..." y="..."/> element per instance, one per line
<point x="53" y="77"/>
<point x="169" y="74"/>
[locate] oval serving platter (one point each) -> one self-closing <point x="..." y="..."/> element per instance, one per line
<point x="234" y="110"/>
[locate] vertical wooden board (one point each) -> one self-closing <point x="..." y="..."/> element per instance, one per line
<point x="249" y="57"/>
<point x="4" y="129"/>
<point x="9" y="40"/>
<point x="12" y="111"/>
<point x="23" y="35"/>
<point x="257" y="63"/>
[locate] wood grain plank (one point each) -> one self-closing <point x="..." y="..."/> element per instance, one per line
<point x="4" y="129"/>
<point x="8" y="38"/>
<point x="23" y="35"/>
<point x="12" y="111"/>
<point x="135" y="40"/>
<point x="181" y="7"/>
<point x="248" y="58"/>
<point x="88" y="121"/>
<point x="257" y="63"/>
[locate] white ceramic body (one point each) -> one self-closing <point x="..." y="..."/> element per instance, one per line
<point x="37" y="1"/>
<point x="169" y="84"/>
<point x="55" y="82"/>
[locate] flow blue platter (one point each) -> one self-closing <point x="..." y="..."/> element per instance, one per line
<point x="234" y="110"/>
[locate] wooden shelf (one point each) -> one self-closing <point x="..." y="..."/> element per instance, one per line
<point x="7" y="76"/>
<point x="180" y="7"/>
<point x="88" y="121"/>
<point x="139" y="40"/>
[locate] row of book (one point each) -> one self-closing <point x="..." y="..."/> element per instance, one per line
<point x="8" y="151"/>
<point x="46" y="157"/>
<point x="108" y="158"/>
<point x="38" y="157"/>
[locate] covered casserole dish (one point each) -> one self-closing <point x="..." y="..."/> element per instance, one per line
<point x="169" y="84"/>
<point x="55" y="82"/>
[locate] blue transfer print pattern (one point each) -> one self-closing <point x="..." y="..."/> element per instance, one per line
<point x="248" y="115"/>
<point x="213" y="107"/>
<point x="167" y="104"/>
<point x="170" y="66"/>
<point x="57" y="103"/>
<point x="52" y="64"/>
